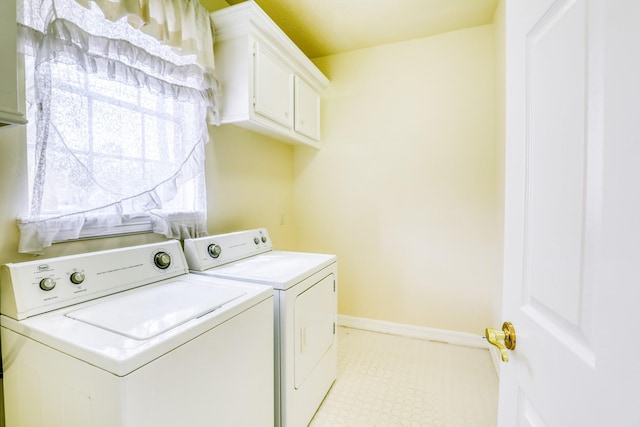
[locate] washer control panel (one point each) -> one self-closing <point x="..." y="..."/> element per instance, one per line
<point x="213" y="251"/>
<point x="34" y="287"/>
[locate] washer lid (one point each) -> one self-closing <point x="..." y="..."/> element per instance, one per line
<point x="152" y="311"/>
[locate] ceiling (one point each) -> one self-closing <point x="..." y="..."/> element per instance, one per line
<point x="328" y="27"/>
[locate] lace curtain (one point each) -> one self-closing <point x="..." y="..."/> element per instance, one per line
<point x="119" y="95"/>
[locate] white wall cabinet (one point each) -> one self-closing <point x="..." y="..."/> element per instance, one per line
<point x="268" y="84"/>
<point x="9" y="103"/>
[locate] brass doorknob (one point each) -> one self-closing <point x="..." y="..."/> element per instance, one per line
<point x="508" y="337"/>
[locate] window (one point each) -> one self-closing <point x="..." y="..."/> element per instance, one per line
<point x="118" y="123"/>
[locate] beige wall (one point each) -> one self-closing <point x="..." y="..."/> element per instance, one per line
<point x="499" y="24"/>
<point x="405" y="187"/>
<point x="250" y="184"/>
<point x="13" y="190"/>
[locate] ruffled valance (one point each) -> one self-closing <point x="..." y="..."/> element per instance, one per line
<point x="166" y="45"/>
<point x="183" y="24"/>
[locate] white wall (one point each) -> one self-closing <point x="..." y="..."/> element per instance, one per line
<point x="405" y="187"/>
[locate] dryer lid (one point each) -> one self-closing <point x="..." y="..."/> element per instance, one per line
<point x="156" y="309"/>
<point x="280" y="269"/>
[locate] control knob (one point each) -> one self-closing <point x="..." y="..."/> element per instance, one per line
<point x="256" y="240"/>
<point x="47" y="284"/>
<point x="264" y="239"/>
<point x="214" y="250"/>
<point x="162" y="260"/>
<point x="77" y="277"/>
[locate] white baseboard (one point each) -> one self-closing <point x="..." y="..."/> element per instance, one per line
<point x="496" y="359"/>
<point x="431" y="334"/>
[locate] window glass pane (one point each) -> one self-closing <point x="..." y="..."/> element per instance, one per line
<point x="71" y="120"/>
<point x="65" y="73"/>
<point x="109" y="141"/>
<point x="116" y="129"/>
<point x="125" y="93"/>
<point x="60" y="198"/>
<point x="153" y="129"/>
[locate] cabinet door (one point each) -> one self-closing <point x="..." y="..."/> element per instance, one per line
<point x="273" y="88"/>
<point x="9" y="108"/>
<point x="307" y="110"/>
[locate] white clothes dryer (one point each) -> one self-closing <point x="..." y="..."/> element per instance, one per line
<point x="129" y="338"/>
<point x="305" y="309"/>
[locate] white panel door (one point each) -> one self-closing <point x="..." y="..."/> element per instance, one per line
<point x="572" y="219"/>
<point x="307" y="110"/>
<point x="273" y="87"/>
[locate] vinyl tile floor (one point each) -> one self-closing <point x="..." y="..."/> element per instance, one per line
<point x="389" y="380"/>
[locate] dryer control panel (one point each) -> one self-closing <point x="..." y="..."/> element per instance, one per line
<point x="35" y="287"/>
<point x="213" y="251"/>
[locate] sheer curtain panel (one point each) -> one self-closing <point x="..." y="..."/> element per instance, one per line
<point x="119" y="93"/>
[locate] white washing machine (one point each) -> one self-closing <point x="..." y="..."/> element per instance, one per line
<point x="305" y="312"/>
<point x="129" y="338"/>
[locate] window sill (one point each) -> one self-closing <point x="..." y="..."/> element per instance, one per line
<point x="91" y="230"/>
